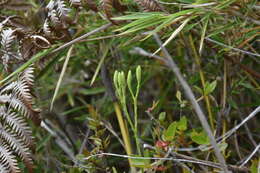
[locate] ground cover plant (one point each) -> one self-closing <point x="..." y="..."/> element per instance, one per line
<point x="129" y="86"/>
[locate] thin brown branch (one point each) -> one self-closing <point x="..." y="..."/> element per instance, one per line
<point x="103" y="27"/>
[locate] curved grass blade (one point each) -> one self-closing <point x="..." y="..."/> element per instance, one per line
<point x="61" y="76"/>
<point x="174" y="34"/>
<point x="204" y="32"/>
<point x="99" y="65"/>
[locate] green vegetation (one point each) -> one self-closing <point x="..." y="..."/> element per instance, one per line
<point x="129" y="86"/>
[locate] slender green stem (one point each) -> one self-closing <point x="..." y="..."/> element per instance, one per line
<point x="136" y="127"/>
<point x="119" y="80"/>
<point x="202" y="78"/>
<point x="133" y="126"/>
<point x="125" y="133"/>
<point x="127" y="115"/>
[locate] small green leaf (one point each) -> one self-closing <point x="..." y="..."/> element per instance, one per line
<point x="182" y="124"/>
<point x="162" y="116"/>
<point x="200" y="138"/>
<point x="170" y="132"/>
<point x="209" y="88"/>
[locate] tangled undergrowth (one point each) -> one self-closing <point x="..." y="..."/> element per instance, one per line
<point x="129" y="86"/>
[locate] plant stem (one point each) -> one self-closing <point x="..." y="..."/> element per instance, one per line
<point x="124" y="132"/>
<point x="133" y="126"/>
<point x="136" y="127"/>
<point x="202" y="78"/>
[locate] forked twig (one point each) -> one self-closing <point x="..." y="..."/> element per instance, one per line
<point x="189" y="94"/>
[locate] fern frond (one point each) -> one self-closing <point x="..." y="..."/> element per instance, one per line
<point x="61" y="7"/>
<point x="46" y="27"/>
<point x="3" y="23"/>
<point x="3" y="169"/>
<point x="16" y="104"/>
<point x="149" y="5"/>
<point x="7" y="159"/>
<point x="19" y="105"/>
<point x="27" y="76"/>
<point x="4" y="98"/>
<point x="16" y="99"/>
<point x="15" y="135"/>
<point x="54" y="17"/>
<point x="7" y="40"/>
<point x="19" y="89"/>
<point x="50" y="5"/>
<point x="17" y="124"/>
<point x="25" y="109"/>
<point x="8" y="37"/>
<point x="5" y="59"/>
<point x="18" y="146"/>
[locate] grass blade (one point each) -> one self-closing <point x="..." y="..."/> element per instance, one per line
<point x="204" y="32"/>
<point x="99" y="65"/>
<point x="174" y="34"/>
<point x="61" y="75"/>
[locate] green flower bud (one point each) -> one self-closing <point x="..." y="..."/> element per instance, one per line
<point x="116" y="78"/>
<point x="129" y="80"/>
<point x="122" y="82"/>
<point x="138" y="74"/>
